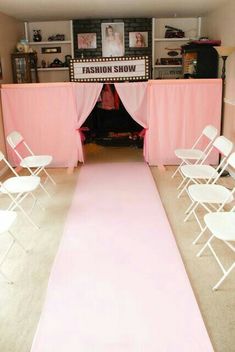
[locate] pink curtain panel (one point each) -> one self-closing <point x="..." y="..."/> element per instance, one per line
<point x="45" y="114"/>
<point x="178" y="112"/>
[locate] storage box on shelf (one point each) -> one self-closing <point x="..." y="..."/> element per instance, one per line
<point x="167" y="42"/>
<point x="53" y="48"/>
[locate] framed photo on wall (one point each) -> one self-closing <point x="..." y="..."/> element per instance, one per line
<point x="138" y="39"/>
<point x="87" y="41"/>
<point x="112" y="39"/>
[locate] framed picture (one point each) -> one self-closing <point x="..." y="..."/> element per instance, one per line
<point x="87" y="41"/>
<point x="112" y="39"/>
<point x="138" y="39"/>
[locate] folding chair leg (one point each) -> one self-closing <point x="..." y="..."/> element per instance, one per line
<point x="191" y="211"/>
<point x="200" y="235"/>
<point x="226" y="273"/>
<point x="6" y="278"/>
<point x="184" y="188"/>
<point x="205" y="245"/>
<point x="18" y="242"/>
<point x="29" y="219"/>
<point x="6" y="254"/>
<point x="177" y="170"/>
<point x="44" y="189"/>
<point x="49" y="176"/>
<point x="3" y="259"/>
<point x="16" y="205"/>
<point x="36" y="201"/>
<point x="181" y="183"/>
<point x="189" y="208"/>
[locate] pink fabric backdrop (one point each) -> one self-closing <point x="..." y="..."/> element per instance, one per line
<point x="174" y="111"/>
<point x="86" y="96"/>
<point x="46" y="116"/>
<point x="178" y="111"/>
<point x="134" y="98"/>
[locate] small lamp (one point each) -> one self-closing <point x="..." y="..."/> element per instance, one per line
<point x="223" y="52"/>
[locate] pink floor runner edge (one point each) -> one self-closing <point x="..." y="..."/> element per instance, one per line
<point x="118" y="283"/>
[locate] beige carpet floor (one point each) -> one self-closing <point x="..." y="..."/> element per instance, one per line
<point x="21" y="303"/>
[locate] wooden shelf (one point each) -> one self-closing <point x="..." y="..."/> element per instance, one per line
<point x="51" y="42"/>
<point x="167" y="66"/>
<point x="52" y="69"/>
<point x="173" y="39"/>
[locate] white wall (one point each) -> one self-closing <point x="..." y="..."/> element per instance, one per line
<point x="220" y="24"/>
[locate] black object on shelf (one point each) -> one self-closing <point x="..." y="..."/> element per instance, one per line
<point x="37" y="37"/>
<point x="199" y="61"/>
<point x="172" y="32"/>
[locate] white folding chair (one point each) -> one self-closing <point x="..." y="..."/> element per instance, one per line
<point x="222" y="227"/>
<point x="202" y="172"/>
<point x="17" y="188"/>
<point x="193" y="154"/>
<point x="7" y="218"/>
<point x="34" y="163"/>
<point x="211" y="196"/>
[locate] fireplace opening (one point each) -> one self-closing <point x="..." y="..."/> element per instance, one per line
<point x="109" y="124"/>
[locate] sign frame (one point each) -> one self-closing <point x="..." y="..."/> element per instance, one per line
<point x="74" y="64"/>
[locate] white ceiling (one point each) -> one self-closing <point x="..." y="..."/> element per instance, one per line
<point x="33" y="10"/>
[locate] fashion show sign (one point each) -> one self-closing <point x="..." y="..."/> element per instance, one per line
<point x="109" y="69"/>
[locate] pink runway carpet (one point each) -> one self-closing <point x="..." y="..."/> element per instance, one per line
<point x="118" y="283"/>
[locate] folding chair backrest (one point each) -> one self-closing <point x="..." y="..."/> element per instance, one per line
<point x="223" y="145"/>
<point x="231" y="160"/>
<point x="14" y="139"/>
<point x="2" y="158"/>
<point x="210" y="132"/>
<point x="229" y="163"/>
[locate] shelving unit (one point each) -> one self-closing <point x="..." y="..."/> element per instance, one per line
<point x="162" y="45"/>
<point x="24" y="67"/>
<point x="48" y="29"/>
